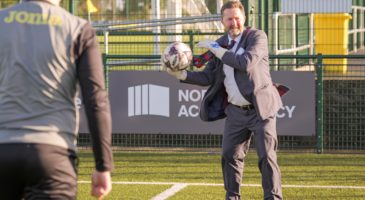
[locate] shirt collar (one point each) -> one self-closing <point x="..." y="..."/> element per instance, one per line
<point x="237" y="39"/>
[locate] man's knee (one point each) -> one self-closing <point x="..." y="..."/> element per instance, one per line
<point x="230" y="154"/>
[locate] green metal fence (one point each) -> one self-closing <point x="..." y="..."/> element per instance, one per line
<point x="340" y="96"/>
<point x="340" y="109"/>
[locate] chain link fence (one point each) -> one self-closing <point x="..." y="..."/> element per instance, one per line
<point x="340" y="111"/>
<point x="340" y="114"/>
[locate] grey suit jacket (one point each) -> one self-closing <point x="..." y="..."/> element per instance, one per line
<point x="252" y="75"/>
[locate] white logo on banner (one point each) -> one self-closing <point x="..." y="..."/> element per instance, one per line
<point x="148" y="99"/>
<point x="194" y="96"/>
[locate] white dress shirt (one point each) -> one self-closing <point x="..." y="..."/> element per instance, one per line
<point x="234" y="95"/>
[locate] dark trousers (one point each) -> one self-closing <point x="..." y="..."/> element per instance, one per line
<point x="239" y="126"/>
<point x="37" y="171"/>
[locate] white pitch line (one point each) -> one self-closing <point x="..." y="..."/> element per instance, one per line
<point x="170" y="192"/>
<point x="244" y="185"/>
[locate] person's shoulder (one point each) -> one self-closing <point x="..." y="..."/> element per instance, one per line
<point x="259" y="32"/>
<point x="255" y="33"/>
<point x="77" y="18"/>
<point x="69" y="16"/>
<point x="5" y="11"/>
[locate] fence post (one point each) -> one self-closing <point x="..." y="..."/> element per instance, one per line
<point x="191" y="44"/>
<point x="71" y="7"/>
<point x="106" y="42"/>
<point x="319" y="89"/>
<point x="106" y="71"/>
<point x="246" y="4"/>
<point x="191" y="40"/>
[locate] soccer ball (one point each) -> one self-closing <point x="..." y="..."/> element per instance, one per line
<point x="177" y="56"/>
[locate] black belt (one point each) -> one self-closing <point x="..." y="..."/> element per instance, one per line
<point x="245" y="107"/>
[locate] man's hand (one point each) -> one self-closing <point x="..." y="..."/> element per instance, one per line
<point x="213" y="46"/>
<point x="101" y="184"/>
<point x="181" y="75"/>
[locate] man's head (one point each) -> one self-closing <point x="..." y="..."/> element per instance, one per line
<point x="233" y="18"/>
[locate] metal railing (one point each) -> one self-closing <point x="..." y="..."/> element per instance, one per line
<point x="276" y="50"/>
<point x="138" y="24"/>
<point x="336" y="130"/>
<point x="151" y="25"/>
<point x="340" y="113"/>
<point x="357" y="30"/>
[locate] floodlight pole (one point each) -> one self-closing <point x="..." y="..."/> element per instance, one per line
<point x="156" y="30"/>
<point x="174" y="10"/>
<point x="219" y="6"/>
<point x="71" y="7"/>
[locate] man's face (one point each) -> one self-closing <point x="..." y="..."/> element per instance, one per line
<point x="233" y="21"/>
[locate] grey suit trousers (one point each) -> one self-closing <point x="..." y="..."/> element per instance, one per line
<point x="239" y="126"/>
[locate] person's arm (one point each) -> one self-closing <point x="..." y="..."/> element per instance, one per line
<point x="202" y="78"/>
<point x="91" y="77"/>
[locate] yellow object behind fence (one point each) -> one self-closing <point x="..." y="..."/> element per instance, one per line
<point x="331" y="33"/>
<point x="90" y="7"/>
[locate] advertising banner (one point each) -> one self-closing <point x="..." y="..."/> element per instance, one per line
<point x="155" y="102"/>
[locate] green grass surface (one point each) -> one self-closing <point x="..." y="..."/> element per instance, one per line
<point x="217" y="193"/>
<point x="135" y="192"/>
<point x="297" y="169"/>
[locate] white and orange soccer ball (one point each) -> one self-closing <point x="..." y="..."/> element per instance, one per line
<point x="177" y="56"/>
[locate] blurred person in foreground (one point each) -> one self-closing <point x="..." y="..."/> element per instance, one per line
<point x="241" y="90"/>
<point x="45" y="53"/>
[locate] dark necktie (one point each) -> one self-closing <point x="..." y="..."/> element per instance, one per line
<point x="205" y="57"/>
<point x="231" y="45"/>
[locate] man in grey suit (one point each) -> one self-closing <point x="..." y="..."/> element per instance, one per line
<point x="241" y="90"/>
